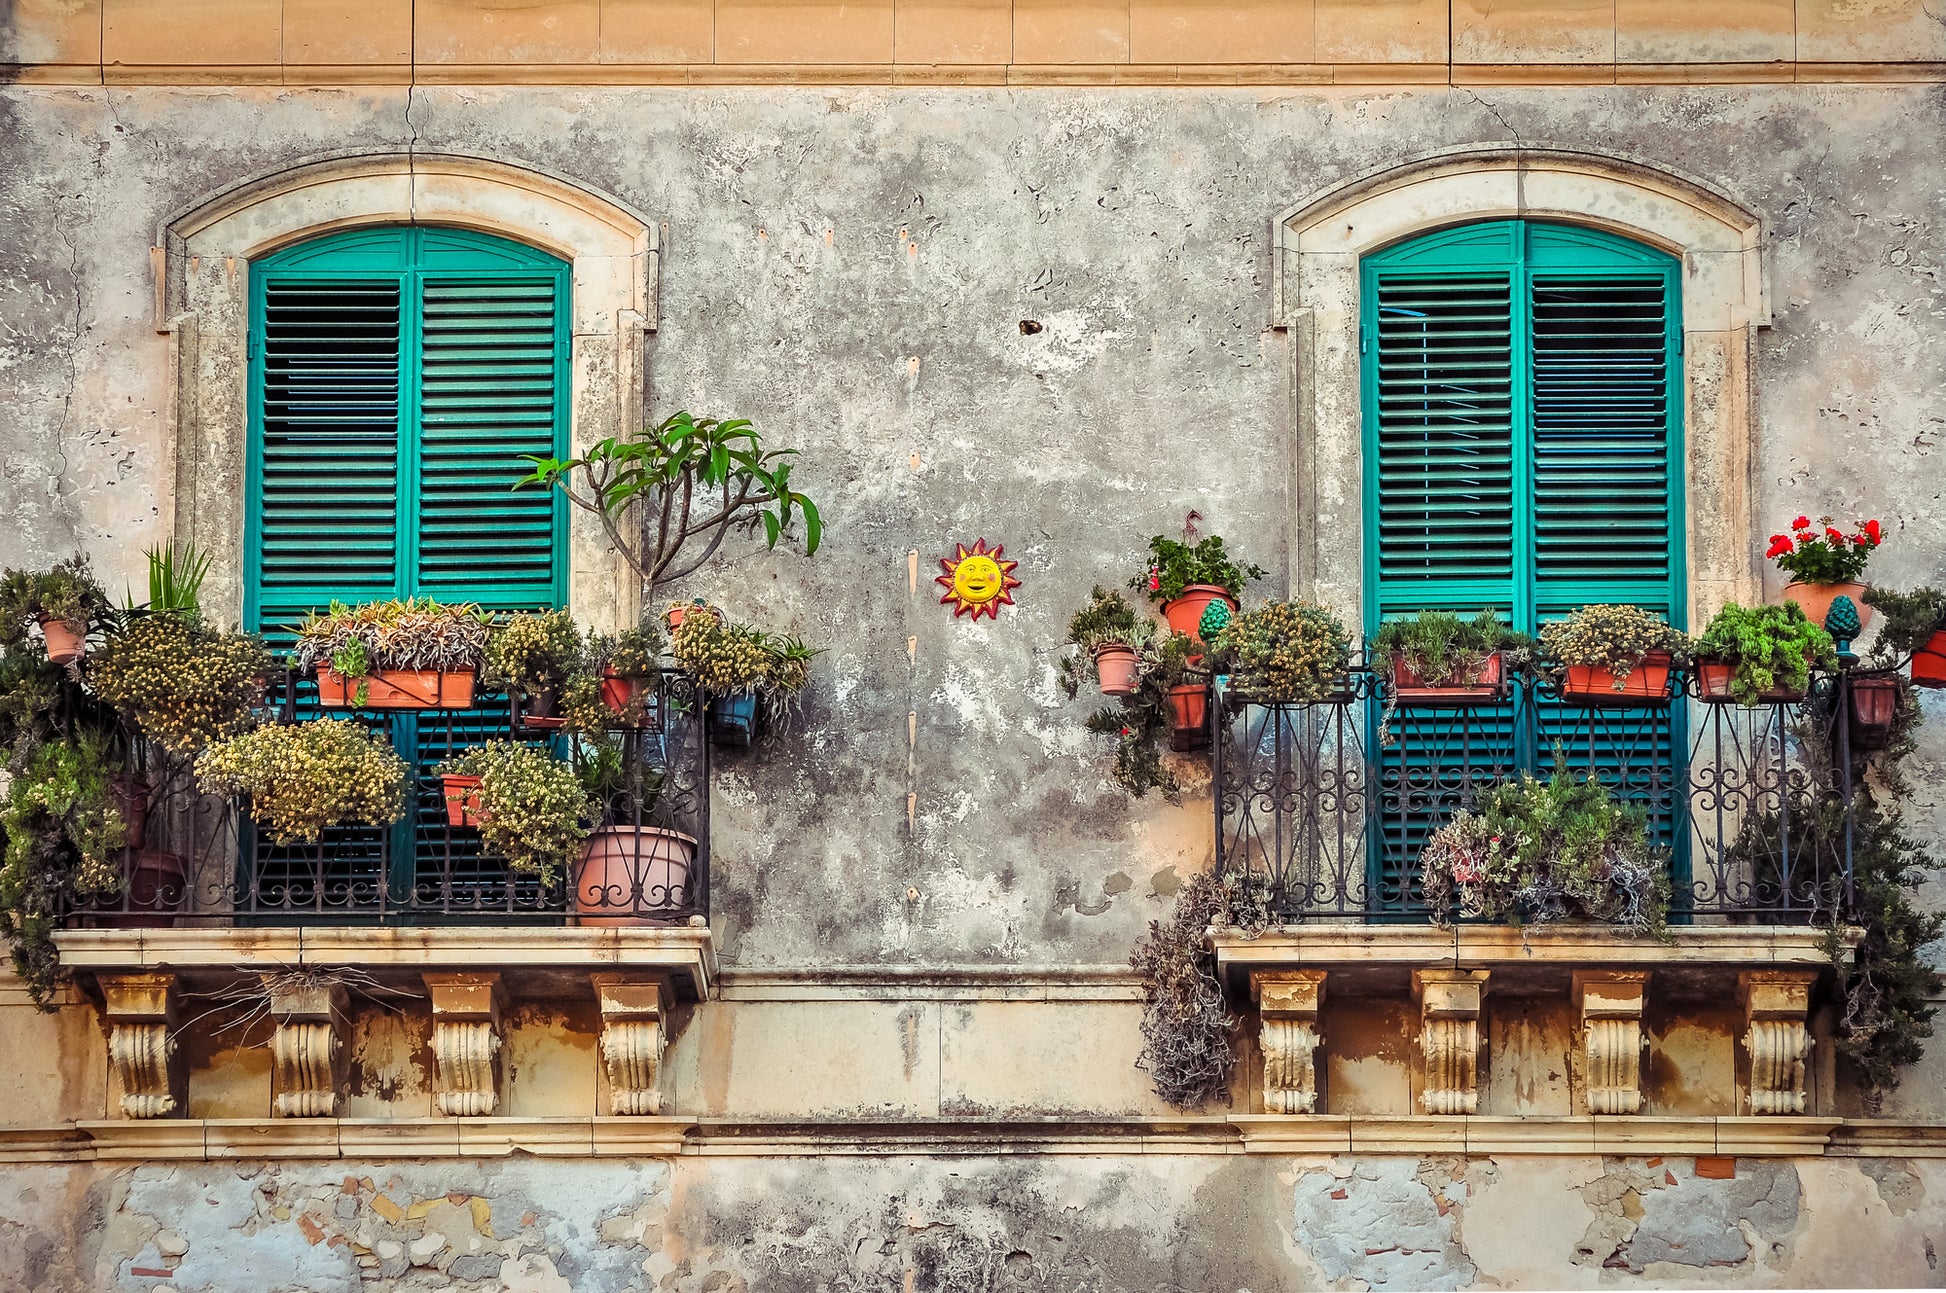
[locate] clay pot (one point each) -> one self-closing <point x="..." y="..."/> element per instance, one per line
<point x="397" y="689"/>
<point x="1119" y="667"/>
<point x="1411" y="689"/>
<point x="64" y="645"/>
<point x="157" y="889"/>
<point x="1647" y="684"/>
<point x="131" y="795"/>
<point x="1929" y="662"/>
<point x="633" y="875"/>
<point x="1815" y="600"/>
<point x="1190" y="701"/>
<point x="1185" y="613"/>
<point x="680" y="611"/>
<point x="1713" y="682"/>
<point x="462" y="795"/>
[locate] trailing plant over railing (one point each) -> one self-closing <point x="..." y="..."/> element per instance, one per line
<point x="1188" y="1033"/>
<point x="1535" y="851"/>
<point x="534" y="810"/>
<point x="180" y="682"/>
<point x="700" y="477"/>
<point x="63" y="833"/>
<point x="303" y="777"/>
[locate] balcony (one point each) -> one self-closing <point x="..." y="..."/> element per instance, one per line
<point x="205" y="863"/>
<point x="1315" y="803"/>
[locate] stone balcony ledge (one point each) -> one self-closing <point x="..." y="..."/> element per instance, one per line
<point x="686" y="954"/>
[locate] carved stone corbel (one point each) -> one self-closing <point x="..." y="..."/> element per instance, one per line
<point x="1610" y="1005"/>
<point x="307" y="1052"/>
<point x="632" y="1039"/>
<point x="1288" y="1002"/>
<point x="1449" y="1033"/>
<point x="1776" y="1007"/>
<point x="465" y="1043"/>
<point x="141" y="1013"/>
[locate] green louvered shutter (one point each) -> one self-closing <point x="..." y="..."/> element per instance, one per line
<point x="1522" y="447"/>
<point x="397" y="376"/>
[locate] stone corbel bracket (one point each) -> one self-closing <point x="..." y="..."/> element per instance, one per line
<point x="633" y="1036"/>
<point x="141" y="1014"/>
<point x="1776" y="1007"/>
<point x="1288" y="1002"/>
<point x="465" y="1042"/>
<point x="1610" y="1003"/>
<point x="1449" y="1033"/>
<point x="307" y="1052"/>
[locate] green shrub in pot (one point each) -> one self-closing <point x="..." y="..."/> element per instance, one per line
<point x="1771" y="649"/>
<point x="1447" y="650"/>
<point x="1284" y="652"/>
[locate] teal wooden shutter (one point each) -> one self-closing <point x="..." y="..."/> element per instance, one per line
<point x="397" y="375"/>
<point x="1522" y="454"/>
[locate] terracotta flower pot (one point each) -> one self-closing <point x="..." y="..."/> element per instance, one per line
<point x="131" y="795"/>
<point x="631" y="875"/>
<point x="1119" y="668"/>
<point x="1185" y="613"/>
<point x="1815" y="600"/>
<point x="462" y="795"/>
<point x="157" y="888"/>
<point x="397" y="689"/>
<point x="1412" y="689"/>
<point x="1190" y="701"/>
<point x="1647" y="683"/>
<point x="1929" y="662"/>
<point x="1713" y="682"/>
<point x="680" y="611"/>
<point x="64" y="645"/>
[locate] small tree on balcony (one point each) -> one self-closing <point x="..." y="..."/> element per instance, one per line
<point x="699" y="478"/>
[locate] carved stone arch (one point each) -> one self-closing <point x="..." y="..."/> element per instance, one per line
<point x="202" y="257"/>
<point x="1321" y="241"/>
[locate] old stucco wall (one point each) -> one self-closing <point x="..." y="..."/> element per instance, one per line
<point x="851" y="268"/>
<point x="1144" y="1224"/>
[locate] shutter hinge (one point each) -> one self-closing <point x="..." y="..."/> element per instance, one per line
<point x="250" y="348"/>
<point x="1364" y="340"/>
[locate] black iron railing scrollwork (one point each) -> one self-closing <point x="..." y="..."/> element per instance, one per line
<point x="1330" y="804"/>
<point x="647" y="860"/>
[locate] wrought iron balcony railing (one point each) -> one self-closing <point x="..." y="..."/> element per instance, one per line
<point x="648" y="860"/>
<point x="1752" y="805"/>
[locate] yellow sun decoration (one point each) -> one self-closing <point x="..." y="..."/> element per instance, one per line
<point x="977" y="580"/>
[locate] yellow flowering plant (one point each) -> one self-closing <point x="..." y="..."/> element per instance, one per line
<point x="181" y="683"/>
<point x="533" y="809"/>
<point x="303" y="777"/>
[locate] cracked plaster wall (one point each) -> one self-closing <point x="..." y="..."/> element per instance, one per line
<point x="1147" y="1224"/>
<point x="850" y="268"/>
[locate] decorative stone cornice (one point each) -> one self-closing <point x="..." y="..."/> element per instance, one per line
<point x="141" y="1013"/>
<point x="1449" y="1035"/>
<point x="632" y="1039"/>
<point x="1609" y="1003"/>
<point x="1288" y="1002"/>
<point x="465" y="1043"/>
<point x="1776" y="1005"/>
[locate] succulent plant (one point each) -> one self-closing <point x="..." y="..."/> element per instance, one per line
<point x="303" y="777"/>
<point x="1286" y="652"/>
<point x="533" y="809"/>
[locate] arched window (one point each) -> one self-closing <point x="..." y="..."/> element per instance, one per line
<point x="1522" y="453"/>
<point x="396" y="376"/>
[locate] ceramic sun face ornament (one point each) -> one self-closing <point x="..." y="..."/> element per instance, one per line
<point x="978" y="580"/>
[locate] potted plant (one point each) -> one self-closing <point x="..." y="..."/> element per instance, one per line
<point x="1292" y="653"/>
<point x="1438" y="658"/>
<point x="528" y="806"/>
<point x="630" y="667"/>
<point x="1756" y="654"/>
<point x="1613" y="655"/>
<point x="65" y="842"/>
<point x="1109" y="639"/>
<point x="542" y="660"/>
<point x="65" y="602"/>
<point x="179" y="682"/>
<point x="738" y="666"/>
<point x="675" y="612"/>
<point x="1915" y="627"/>
<point x="410" y="654"/>
<point x="1184" y="578"/>
<point x="1535" y="851"/>
<point x="302" y="777"/>
<point x="675" y="469"/>
<point x="1824" y="566"/>
<point x="630" y="871"/>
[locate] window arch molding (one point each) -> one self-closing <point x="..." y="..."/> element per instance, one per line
<point x="1321" y="243"/>
<point x="201" y="259"/>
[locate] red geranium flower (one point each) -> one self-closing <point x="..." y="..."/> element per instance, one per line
<point x="1801" y="523"/>
<point x="1779" y="545"/>
<point x="1872" y="532"/>
<point x="1834" y="534"/>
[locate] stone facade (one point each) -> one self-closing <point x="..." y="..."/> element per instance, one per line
<point x="902" y="1053"/>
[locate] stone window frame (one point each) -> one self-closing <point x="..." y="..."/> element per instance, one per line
<point x="1321" y="242"/>
<point x="202" y="258"/>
